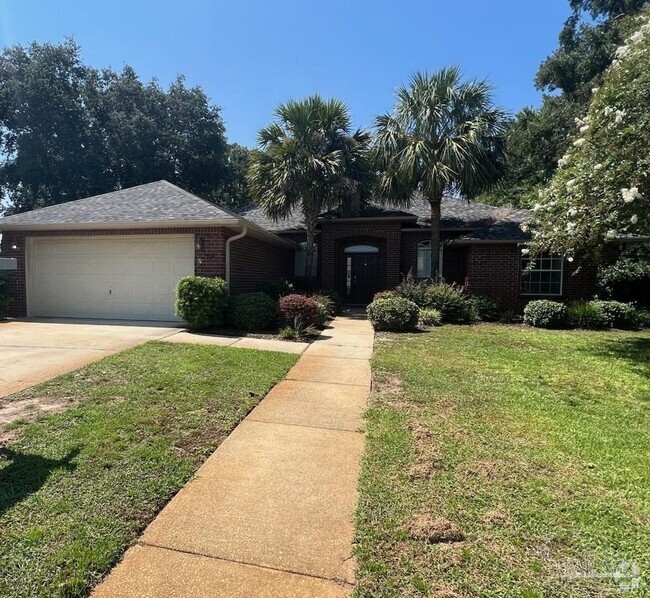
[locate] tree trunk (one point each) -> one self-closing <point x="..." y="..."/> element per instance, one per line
<point x="310" y="248"/>
<point x="435" y="236"/>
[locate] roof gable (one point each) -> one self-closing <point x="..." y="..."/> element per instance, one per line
<point x="159" y="203"/>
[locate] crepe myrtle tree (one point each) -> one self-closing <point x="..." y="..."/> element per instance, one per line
<point x="601" y="190"/>
<point x="309" y="159"/>
<point x="444" y="137"/>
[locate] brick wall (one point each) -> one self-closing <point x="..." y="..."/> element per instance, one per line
<point x="335" y="236"/>
<point x="254" y="262"/>
<point x="210" y="261"/>
<point x="495" y="270"/>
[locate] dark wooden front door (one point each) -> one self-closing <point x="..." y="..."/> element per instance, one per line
<point x="362" y="276"/>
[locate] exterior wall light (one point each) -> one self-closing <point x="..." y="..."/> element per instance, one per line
<point x="198" y="244"/>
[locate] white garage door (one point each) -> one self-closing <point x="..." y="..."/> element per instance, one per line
<point x="121" y="277"/>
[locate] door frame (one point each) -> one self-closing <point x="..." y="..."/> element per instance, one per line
<point x="350" y="249"/>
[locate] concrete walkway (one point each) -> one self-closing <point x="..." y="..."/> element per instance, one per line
<point x="262" y="344"/>
<point x="270" y="513"/>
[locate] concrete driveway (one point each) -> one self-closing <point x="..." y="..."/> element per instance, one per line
<point x="34" y="350"/>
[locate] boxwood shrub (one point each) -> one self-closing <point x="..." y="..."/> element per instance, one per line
<point x="252" y="312"/>
<point x="201" y="301"/>
<point x="544" y="313"/>
<point x="430" y="317"/>
<point x="298" y="307"/>
<point x="393" y="313"/>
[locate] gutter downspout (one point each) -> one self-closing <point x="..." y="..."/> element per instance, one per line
<point x="229" y="240"/>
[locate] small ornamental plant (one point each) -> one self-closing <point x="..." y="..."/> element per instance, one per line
<point x="394" y="314"/>
<point x="304" y="308"/>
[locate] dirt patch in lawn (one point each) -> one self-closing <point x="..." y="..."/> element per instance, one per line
<point x="17" y="413"/>
<point x="434" y="529"/>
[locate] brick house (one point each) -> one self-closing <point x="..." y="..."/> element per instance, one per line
<point x="119" y="255"/>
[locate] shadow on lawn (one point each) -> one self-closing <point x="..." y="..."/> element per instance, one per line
<point x="634" y="350"/>
<point x="25" y="474"/>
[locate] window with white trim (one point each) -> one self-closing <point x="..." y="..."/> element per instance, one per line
<point x="423" y="264"/>
<point x="544" y="277"/>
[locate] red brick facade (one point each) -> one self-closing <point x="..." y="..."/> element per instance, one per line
<point x="494" y="270"/>
<point x="252" y="262"/>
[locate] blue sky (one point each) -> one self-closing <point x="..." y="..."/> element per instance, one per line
<point x="250" y="55"/>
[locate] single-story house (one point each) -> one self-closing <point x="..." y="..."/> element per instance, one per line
<point x="120" y="255"/>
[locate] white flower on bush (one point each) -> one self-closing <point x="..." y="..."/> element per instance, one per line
<point x="634" y="219"/>
<point x="622" y="52"/>
<point x="562" y="162"/>
<point x="572" y="212"/>
<point x="571" y="183"/>
<point x="598" y="166"/>
<point x="525" y="251"/>
<point x="607" y="110"/>
<point x="569" y="259"/>
<point x="610" y="234"/>
<point x="579" y="142"/>
<point x="620" y="115"/>
<point x="584" y="128"/>
<point x="631" y="194"/>
<point x="524" y="227"/>
<point x="537" y="207"/>
<point x="570" y="226"/>
<point x="594" y="90"/>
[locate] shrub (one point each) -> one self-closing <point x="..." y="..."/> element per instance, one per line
<point x="384" y="295"/>
<point x="301" y="307"/>
<point x="277" y="288"/>
<point x="643" y="318"/>
<point x="325" y="308"/>
<point x="4" y="294"/>
<point x="252" y="311"/>
<point x="628" y="280"/>
<point x="487" y="309"/>
<point x="202" y="302"/>
<point x="393" y="313"/>
<point x="289" y="333"/>
<point x="617" y="314"/>
<point x="450" y="300"/>
<point x="544" y="313"/>
<point x="412" y="290"/>
<point x="335" y="298"/>
<point x="582" y="314"/>
<point x="430" y="317"/>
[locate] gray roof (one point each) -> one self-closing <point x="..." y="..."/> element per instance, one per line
<point x="159" y="202"/>
<point x="507" y="228"/>
<point x="455" y="213"/>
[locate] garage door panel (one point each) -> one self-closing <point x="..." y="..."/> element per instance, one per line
<point x="111" y="277"/>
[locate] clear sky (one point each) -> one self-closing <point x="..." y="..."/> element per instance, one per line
<point x="250" y="55"/>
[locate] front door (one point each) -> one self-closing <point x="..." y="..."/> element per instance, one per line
<point x="362" y="273"/>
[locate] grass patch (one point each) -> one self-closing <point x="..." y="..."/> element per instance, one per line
<point x="78" y="487"/>
<point x="504" y="461"/>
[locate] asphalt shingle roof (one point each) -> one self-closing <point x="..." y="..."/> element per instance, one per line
<point x="507" y="228"/>
<point x="455" y="213"/>
<point x="159" y="202"/>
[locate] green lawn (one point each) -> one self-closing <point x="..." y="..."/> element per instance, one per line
<point x="506" y="461"/>
<point x="77" y="488"/>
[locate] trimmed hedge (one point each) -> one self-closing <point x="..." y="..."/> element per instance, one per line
<point x="628" y="280"/>
<point x="298" y="307"/>
<point x="393" y="313"/>
<point x="201" y="301"/>
<point x="544" y="313"/>
<point x="252" y="312"/>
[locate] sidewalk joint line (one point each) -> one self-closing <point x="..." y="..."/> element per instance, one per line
<point x="334" y="383"/>
<point x="249" y="564"/>
<point x="265" y="421"/>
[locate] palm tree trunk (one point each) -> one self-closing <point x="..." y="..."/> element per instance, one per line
<point x="435" y="236"/>
<point x="311" y="221"/>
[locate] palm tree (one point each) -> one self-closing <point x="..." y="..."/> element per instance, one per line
<point x="309" y="160"/>
<point x="443" y="137"/>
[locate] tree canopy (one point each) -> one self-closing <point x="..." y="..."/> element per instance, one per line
<point x="69" y="130"/>
<point x="601" y="190"/>
<point x="309" y="159"/>
<point x="537" y="138"/>
<point x="443" y="137"/>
